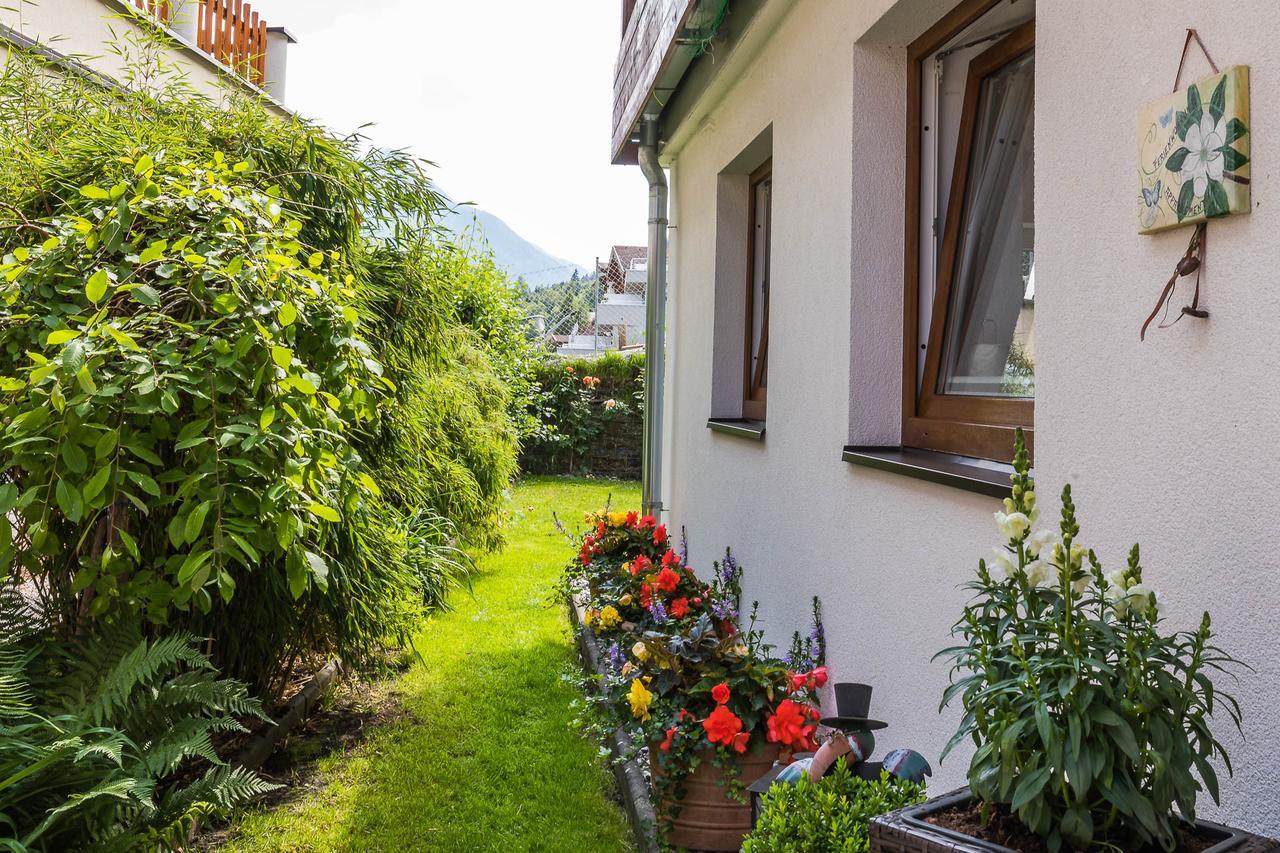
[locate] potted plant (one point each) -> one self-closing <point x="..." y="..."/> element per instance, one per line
<point x="709" y="701"/>
<point x="717" y="710"/>
<point x="1090" y="721"/>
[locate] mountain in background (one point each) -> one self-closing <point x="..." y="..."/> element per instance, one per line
<point x="516" y="255"/>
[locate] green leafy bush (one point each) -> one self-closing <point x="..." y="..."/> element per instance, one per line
<point x="827" y="816"/>
<point x="590" y="416"/>
<point x="223" y="403"/>
<point x="91" y="743"/>
<point x="1090" y="721"/>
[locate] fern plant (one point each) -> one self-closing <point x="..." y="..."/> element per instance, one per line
<point x="97" y="743"/>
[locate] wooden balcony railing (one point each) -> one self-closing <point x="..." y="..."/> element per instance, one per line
<point x="228" y="30"/>
<point x="233" y="33"/>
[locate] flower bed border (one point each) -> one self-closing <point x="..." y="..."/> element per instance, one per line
<point x="629" y="774"/>
<point x="903" y="831"/>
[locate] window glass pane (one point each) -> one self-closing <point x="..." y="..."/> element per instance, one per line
<point x="989" y="344"/>
<point x="760" y="282"/>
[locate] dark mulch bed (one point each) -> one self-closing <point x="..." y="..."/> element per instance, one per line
<point x="349" y="714"/>
<point x="1005" y="829"/>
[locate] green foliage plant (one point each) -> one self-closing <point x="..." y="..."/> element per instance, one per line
<point x="827" y="816"/>
<point x="579" y="402"/>
<point x="91" y="744"/>
<point x="247" y="389"/>
<point x="1090" y="720"/>
<point x="181" y="378"/>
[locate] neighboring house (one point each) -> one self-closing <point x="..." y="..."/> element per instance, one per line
<point x="622" y="291"/>
<point x="844" y="424"/>
<point x="212" y="41"/>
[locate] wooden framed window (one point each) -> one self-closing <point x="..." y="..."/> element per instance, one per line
<point x="756" y="349"/>
<point x="969" y="353"/>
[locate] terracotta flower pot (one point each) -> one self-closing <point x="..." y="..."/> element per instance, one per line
<point x="707" y="818"/>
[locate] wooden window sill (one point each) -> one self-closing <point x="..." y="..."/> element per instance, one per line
<point x="962" y="472"/>
<point x="742" y="427"/>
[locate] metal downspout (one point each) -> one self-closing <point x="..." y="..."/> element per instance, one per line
<point x="655" y="320"/>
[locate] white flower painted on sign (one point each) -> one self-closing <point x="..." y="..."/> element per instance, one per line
<point x="1204" y="162"/>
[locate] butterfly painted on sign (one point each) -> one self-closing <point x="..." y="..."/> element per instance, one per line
<point x="1151" y="203"/>
<point x="1151" y="195"/>
<point x="1166" y="118"/>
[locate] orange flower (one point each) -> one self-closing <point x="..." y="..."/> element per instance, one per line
<point x="790" y="725"/>
<point x="722" y="725"/>
<point x="720" y="693"/>
<point x="668" y="580"/>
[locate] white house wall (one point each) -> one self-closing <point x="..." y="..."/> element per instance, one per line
<point x="84" y="30"/>
<point x="1174" y="442"/>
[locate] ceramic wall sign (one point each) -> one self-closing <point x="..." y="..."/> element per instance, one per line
<point x="1193" y="153"/>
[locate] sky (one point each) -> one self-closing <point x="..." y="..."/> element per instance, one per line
<point x="511" y="99"/>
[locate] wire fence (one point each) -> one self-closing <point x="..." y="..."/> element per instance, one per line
<point x="595" y="313"/>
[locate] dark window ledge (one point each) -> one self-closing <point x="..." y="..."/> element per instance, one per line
<point x="743" y="427"/>
<point x="948" y="469"/>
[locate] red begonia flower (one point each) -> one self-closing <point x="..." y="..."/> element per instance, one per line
<point x="648" y="521"/>
<point x="720" y="693"/>
<point x="789" y="725"/>
<point x="632" y="518"/>
<point x="671" y="558"/>
<point x="680" y="608"/>
<point x="646" y="595"/>
<point x="819" y="676"/>
<point x="722" y="725"/>
<point x="660" y="535"/>
<point x="641" y="564"/>
<point x="668" y="580"/>
<point x="665" y="746"/>
<point x="740" y="741"/>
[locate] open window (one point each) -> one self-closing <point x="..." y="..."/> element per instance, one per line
<point x="756" y="349"/>
<point x="969" y="354"/>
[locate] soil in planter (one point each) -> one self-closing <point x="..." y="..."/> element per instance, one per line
<point x="1006" y="830"/>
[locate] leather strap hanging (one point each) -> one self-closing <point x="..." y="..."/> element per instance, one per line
<point x="1193" y="259"/>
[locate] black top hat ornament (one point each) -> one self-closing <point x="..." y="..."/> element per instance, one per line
<point x="853" y="704"/>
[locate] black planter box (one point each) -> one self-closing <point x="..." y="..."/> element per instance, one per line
<point x="907" y="831"/>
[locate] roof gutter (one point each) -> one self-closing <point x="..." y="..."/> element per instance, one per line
<point x="655" y="319"/>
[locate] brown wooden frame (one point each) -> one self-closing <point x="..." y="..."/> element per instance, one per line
<point x="755" y="383"/>
<point x="967" y="425"/>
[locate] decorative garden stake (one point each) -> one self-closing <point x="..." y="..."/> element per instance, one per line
<point x="1193" y="166"/>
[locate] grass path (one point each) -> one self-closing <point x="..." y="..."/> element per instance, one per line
<point x="487" y="757"/>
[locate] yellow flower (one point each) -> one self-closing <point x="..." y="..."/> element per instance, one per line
<point x="626" y="569"/>
<point x="617" y="519"/>
<point x="640" y="698"/>
<point x="609" y="617"/>
<point x="625" y="600"/>
<point x="641" y="651"/>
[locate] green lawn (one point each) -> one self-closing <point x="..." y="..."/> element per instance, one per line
<point x="487" y="758"/>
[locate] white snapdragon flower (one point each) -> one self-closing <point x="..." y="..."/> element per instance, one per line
<point x="1141" y="598"/>
<point x="1080" y="585"/>
<point x="1012" y="525"/>
<point x="1040" y="573"/>
<point x="1039" y="541"/>
<point x="1117" y="583"/>
<point x="1001" y="567"/>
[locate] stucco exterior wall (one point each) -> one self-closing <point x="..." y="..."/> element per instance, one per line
<point x="85" y="30"/>
<point x="1172" y="443"/>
